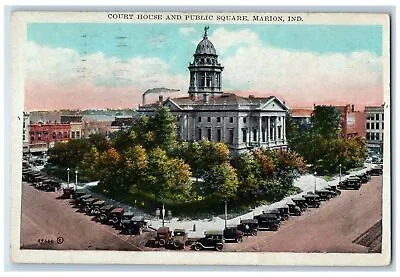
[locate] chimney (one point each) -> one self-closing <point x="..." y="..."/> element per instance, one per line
<point x="205" y="98"/>
<point x="143" y="99"/>
<point x="352" y="108"/>
<point x="160" y="98"/>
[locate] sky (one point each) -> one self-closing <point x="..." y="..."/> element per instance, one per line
<point x="82" y="66"/>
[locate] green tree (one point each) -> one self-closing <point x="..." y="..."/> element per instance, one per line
<point x="221" y="182"/>
<point x="325" y="121"/>
<point x="163" y="125"/>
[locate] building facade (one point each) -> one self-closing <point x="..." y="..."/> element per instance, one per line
<point x="43" y="136"/>
<point x="375" y="128"/>
<point x="207" y="112"/>
<point x="352" y="123"/>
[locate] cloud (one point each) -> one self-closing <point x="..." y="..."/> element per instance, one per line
<point x="59" y="69"/>
<point x="298" y="76"/>
<point x="186" y="31"/>
<point x="223" y="39"/>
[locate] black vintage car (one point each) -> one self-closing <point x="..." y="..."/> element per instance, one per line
<point x="333" y="189"/>
<point x="249" y="227"/>
<point x="364" y="177"/>
<point x="324" y="194"/>
<point x="350" y="183"/>
<point x="179" y="239"/>
<point x="125" y="220"/>
<point x="293" y="209"/>
<point x="116" y="216"/>
<point x="87" y="204"/>
<point x="212" y="240"/>
<point x="232" y="233"/>
<point x="163" y="237"/>
<point x="79" y="201"/>
<point x="268" y="221"/>
<point x="105" y="212"/>
<point x="134" y="226"/>
<point x="300" y="202"/>
<point x="95" y="207"/>
<point x="377" y="170"/>
<point x="313" y="200"/>
<point x="284" y="212"/>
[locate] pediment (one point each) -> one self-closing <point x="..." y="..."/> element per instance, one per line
<point x="274" y="104"/>
<point x="171" y="105"/>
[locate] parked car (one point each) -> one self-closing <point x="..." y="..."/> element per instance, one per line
<point x="249" y="227"/>
<point x="284" y="212"/>
<point x="301" y="202"/>
<point x="116" y="216"/>
<point x="163" y="236"/>
<point x="364" y="177"/>
<point x="350" y="183"/>
<point x="324" y="194"/>
<point x="79" y="201"/>
<point x="134" y="226"/>
<point x="87" y="204"/>
<point x="312" y="200"/>
<point x="105" y="212"/>
<point x="333" y="189"/>
<point x="268" y="221"/>
<point x="179" y="238"/>
<point x="293" y="209"/>
<point x="212" y="240"/>
<point x="95" y="207"/>
<point x="124" y="220"/>
<point x="377" y="170"/>
<point x="232" y="233"/>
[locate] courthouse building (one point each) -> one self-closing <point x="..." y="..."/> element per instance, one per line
<point x="207" y="112"/>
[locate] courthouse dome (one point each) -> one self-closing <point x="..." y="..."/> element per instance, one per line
<point x="205" y="46"/>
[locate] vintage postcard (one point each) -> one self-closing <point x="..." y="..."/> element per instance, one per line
<point x="200" y="138"/>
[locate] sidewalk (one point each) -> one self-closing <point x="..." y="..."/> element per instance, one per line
<point x="305" y="183"/>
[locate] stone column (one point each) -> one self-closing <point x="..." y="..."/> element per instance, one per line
<point x="276" y="129"/>
<point x="284" y="129"/>
<point x="269" y="129"/>
<point x="259" y="129"/>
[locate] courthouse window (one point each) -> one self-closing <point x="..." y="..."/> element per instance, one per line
<point x="208" y="119"/>
<point x="231" y="136"/>
<point x="219" y="137"/>
<point x="244" y="133"/>
<point x="368" y="125"/>
<point x="377" y="116"/>
<point x="372" y="125"/>
<point x="199" y="119"/>
<point x="218" y="119"/>
<point x="209" y="134"/>
<point x="231" y="120"/>
<point x="244" y="119"/>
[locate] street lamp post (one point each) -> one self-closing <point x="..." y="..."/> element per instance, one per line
<point x="76" y="180"/>
<point x="68" y="176"/>
<point x="163" y="214"/>
<point x="315" y="181"/>
<point x="226" y="213"/>
<point x="340" y="173"/>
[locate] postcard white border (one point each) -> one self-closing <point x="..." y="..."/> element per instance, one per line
<point x="18" y="41"/>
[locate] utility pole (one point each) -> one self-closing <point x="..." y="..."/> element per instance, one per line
<point x="340" y="173"/>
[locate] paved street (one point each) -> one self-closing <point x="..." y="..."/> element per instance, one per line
<point x="46" y="217"/>
<point x="331" y="228"/>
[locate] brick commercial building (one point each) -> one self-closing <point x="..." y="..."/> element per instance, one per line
<point x="352" y="123"/>
<point x="45" y="135"/>
<point x="375" y="127"/>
